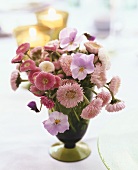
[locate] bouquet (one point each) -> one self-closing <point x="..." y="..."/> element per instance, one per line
<point x="63" y="74"/>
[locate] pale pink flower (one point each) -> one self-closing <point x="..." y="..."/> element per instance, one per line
<point x="93" y="109"/>
<point x="99" y="76"/>
<point x="115" y="84"/>
<point x="92" y="47"/>
<point x="69" y="95"/>
<point x="65" y="62"/>
<point x="44" y="56"/>
<point x="105" y="96"/>
<point x="44" y="81"/>
<point x="36" y="53"/>
<point x="104" y="58"/>
<point x="33" y="89"/>
<point x="23" y="48"/>
<point x="27" y="65"/>
<point x="18" y="58"/>
<point x="115" y="107"/>
<point x="15" y="80"/>
<point x="47" y="102"/>
<point x="57" y="123"/>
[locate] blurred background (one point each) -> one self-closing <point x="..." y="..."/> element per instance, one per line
<point x="102" y="18"/>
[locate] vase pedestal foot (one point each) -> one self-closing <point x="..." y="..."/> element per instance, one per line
<point x="79" y="152"/>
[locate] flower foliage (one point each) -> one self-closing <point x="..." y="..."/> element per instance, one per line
<point x="63" y="73"/>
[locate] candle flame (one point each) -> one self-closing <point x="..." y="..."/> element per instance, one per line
<point x="32" y="32"/>
<point x="51" y="12"/>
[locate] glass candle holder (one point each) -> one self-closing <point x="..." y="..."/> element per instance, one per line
<point x="55" y="19"/>
<point x="36" y="35"/>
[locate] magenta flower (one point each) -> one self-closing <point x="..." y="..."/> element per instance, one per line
<point x="89" y="37"/>
<point x="115" y="84"/>
<point x="23" y="48"/>
<point x="32" y="74"/>
<point x="69" y="95"/>
<point x="36" y="91"/>
<point x="44" y="81"/>
<point x="33" y="106"/>
<point x="68" y="39"/>
<point x="57" y="82"/>
<point x="93" y="109"/>
<point x="27" y="66"/>
<point x="115" y="107"/>
<point x="82" y="65"/>
<point x="47" y="102"/>
<point x="15" y="80"/>
<point x="57" y="123"/>
<point x="18" y="58"/>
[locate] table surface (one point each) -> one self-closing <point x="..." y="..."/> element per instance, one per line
<point x="24" y="143"/>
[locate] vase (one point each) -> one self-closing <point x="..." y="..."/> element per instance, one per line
<point x="70" y="148"/>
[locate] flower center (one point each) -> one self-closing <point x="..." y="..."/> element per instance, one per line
<point x="57" y="121"/>
<point x="81" y="69"/>
<point x="45" y="81"/>
<point x="70" y="94"/>
<point x="27" y="64"/>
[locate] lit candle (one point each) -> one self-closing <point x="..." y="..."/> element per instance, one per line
<point x="52" y="19"/>
<point x="32" y="35"/>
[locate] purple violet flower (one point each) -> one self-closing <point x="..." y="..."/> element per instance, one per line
<point x="57" y="123"/>
<point x="89" y="37"/>
<point x="82" y="65"/>
<point x="33" y="106"/>
<point x="68" y="39"/>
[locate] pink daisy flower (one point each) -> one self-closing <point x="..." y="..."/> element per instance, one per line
<point x="44" y="81"/>
<point x="69" y="95"/>
<point x="115" y="84"/>
<point x="31" y="75"/>
<point x="57" y="65"/>
<point x="93" y="109"/>
<point x="57" y="123"/>
<point x="119" y="105"/>
<point x="99" y="76"/>
<point x="36" y="91"/>
<point x="27" y="66"/>
<point x="47" y="102"/>
<point x="67" y="81"/>
<point x="23" y="48"/>
<point x="52" y="45"/>
<point x="65" y="62"/>
<point x="18" y="58"/>
<point x="105" y="96"/>
<point x="15" y="80"/>
<point x="57" y="82"/>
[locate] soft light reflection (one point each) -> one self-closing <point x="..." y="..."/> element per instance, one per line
<point x="32" y="32"/>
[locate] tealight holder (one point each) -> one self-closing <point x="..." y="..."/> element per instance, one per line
<point x="55" y="19"/>
<point x="36" y="35"/>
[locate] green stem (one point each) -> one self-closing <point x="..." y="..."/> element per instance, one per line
<point x="71" y="125"/>
<point x="76" y="115"/>
<point x="86" y="100"/>
<point x="92" y="90"/>
<point x="28" y="56"/>
<point x="23" y="80"/>
<point x="110" y="92"/>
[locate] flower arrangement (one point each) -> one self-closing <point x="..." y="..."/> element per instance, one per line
<point x="63" y="73"/>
